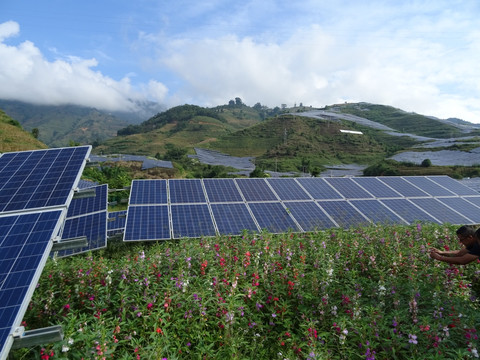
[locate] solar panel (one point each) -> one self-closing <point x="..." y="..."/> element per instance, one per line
<point x="222" y="190"/>
<point x="233" y="219"/>
<point x="147" y="223"/>
<point x="464" y="207"/>
<point x="25" y="242"/>
<point x="344" y="214"/>
<point x="377" y="212"/>
<point x="376" y="187"/>
<point x="255" y="190"/>
<point x="408" y="211"/>
<point x="82" y="206"/>
<point x="191" y="221"/>
<point x="309" y="215"/>
<point x="348" y="188"/>
<point x="288" y="189"/>
<point x="273" y="217"/>
<point x="186" y="191"/>
<point x="148" y="192"/>
<point x="453" y="185"/>
<point x="475" y="200"/>
<point x="319" y="189"/>
<point x="39" y="178"/>
<point x="440" y="211"/>
<point x="429" y="186"/>
<point x="116" y="222"/>
<point x="402" y="186"/>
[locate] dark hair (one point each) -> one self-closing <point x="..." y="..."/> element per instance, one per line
<point x="467" y="230"/>
<point x="477" y="234"/>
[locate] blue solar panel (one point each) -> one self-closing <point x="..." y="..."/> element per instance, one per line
<point x="440" y="211"/>
<point x="186" y="191"/>
<point x="191" y="221"/>
<point x="343" y="213"/>
<point x="25" y="242"/>
<point x="222" y="190"/>
<point x="232" y="219"/>
<point x="309" y="215"/>
<point x="319" y="189"/>
<point x="80" y="206"/>
<point x="147" y="192"/>
<point x="255" y="190"/>
<point x="429" y="186"/>
<point x="475" y="200"/>
<point x="376" y="187"/>
<point x="40" y="178"/>
<point x="116" y="222"/>
<point x="147" y="223"/>
<point x="464" y="207"/>
<point x="402" y="186"/>
<point x="376" y="212"/>
<point x="348" y="188"/>
<point x="273" y="217"/>
<point x="408" y="211"/>
<point x="288" y="189"/>
<point x="453" y="185"/>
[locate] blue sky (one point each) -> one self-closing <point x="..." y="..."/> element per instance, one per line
<point x="420" y="56"/>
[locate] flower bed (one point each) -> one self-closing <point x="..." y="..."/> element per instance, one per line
<point x="365" y="293"/>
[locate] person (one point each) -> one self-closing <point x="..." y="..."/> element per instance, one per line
<point x="470" y="251"/>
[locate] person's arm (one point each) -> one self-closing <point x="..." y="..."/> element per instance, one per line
<point x="464" y="259"/>
<point x="460" y="252"/>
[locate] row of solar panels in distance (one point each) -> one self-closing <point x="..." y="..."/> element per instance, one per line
<point x="163" y="220"/>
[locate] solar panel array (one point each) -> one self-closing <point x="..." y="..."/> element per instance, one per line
<point x="177" y="208"/>
<point x="36" y="188"/>
<point x="116" y="222"/>
<point x="87" y="216"/>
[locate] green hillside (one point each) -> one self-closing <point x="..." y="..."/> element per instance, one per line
<point x="14" y="138"/>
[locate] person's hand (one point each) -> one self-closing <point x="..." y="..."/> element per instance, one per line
<point x="434" y="254"/>
<point x="434" y="250"/>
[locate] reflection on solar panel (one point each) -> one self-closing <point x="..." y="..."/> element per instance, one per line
<point x="148" y="192"/>
<point x="408" y="211"/>
<point x="348" y="188"/>
<point x="116" y="222"/>
<point x="377" y="212"/>
<point x="232" y="219"/>
<point x="343" y="213"/>
<point x="440" y="211"/>
<point x="376" y="187"/>
<point x="255" y="190"/>
<point x="273" y="217"/>
<point x="191" y="221"/>
<point x="147" y="223"/>
<point x="186" y="191"/>
<point x="402" y="186"/>
<point x="453" y="185"/>
<point x="222" y="190"/>
<point x="288" y="189"/>
<point x="429" y="186"/>
<point x="319" y="189"/>
<point x="39" y="178"/>
<point x="299" y="204"/>
<point x="309" y="215"/>
<point x="464" y="207"/>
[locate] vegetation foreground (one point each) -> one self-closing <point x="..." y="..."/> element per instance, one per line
<point x="364" y="293"/>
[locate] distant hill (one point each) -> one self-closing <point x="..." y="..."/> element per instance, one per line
<point x="60" y="125"/>
<point x="14" y="138"/>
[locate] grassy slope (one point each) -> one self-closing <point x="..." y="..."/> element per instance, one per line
<point x="14" y="138"/>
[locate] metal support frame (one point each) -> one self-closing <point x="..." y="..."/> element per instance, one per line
<point x="72" y="243"/>
<point x="22" y="338"/>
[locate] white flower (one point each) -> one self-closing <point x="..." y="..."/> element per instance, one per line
<point x="65" y="348"/>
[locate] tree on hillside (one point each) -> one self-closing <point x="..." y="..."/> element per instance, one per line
<point x="35" y="132"/>
<point x="238" y="101"/>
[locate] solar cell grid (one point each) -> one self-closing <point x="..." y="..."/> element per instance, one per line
<point x="377" y="212"/>
<point x="309" y="216"/>
<point x="116" y="222"/>
<point x="376" y="187"/>
<point x="475" y="200"/>
<point x="148" y="192"/>
<point x="255" y="190"/>
<point x="408" y="211"/>
<point x="440" y="211"/>
<point x="344" y="214"/>
<point x="149" y="222"/>
<point x="319" y="189"/>
<point x="222" y="190"/>
<point x="232" y="219"/>
<point x="402" y="186"/>
<point x="98" y="202"/>
<point x="191" y="221"/>
<point x="288" y="189"/>
<point x="453" y="185"/>
<point x="186" y="191"/>
<point x="273" y="217"/>
<point x="466" y="208"/>
<point x="348" y="188"/>
<point x="429" y="186"/>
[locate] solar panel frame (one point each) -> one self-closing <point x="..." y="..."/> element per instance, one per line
<point x="186" y="191"/>
<point x="344" y="214"/>
<point x="377" y="212"/>
<point x="82" y="206"/>
<point x="273" y="217"/>
<point x="185" y="215"/>
<point x="375" y="187"/>
<point x="31" y="234"/>
<point x="138" y="218"/>
<point x="116" y="222"/>
<point x="440" y="211"/>
<point x="348" y="188"/>
<point x="309" y="215"/>
<point x="408" y="211"/>
<point x="403" y="186"/>
<point x="464" y="207"/>
<point x="288" y="189"/>
<point x="429" y="186"/>
<point x="233" y="218"/>
<point x="319" y="189"/>
<point x="222" y="190"/>
<point x="148" y="192"/>
<point x="453" y="185"/>
<point x="255" y="189"/>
